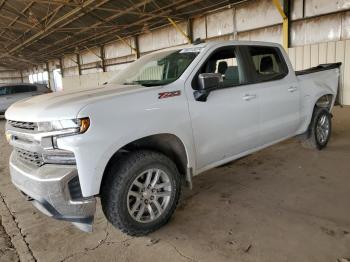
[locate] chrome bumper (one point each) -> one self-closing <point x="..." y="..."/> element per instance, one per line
<point x="50" y="190"/>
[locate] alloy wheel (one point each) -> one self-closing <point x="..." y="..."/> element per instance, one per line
<point x="322" y="129"/>
<point x="149" y="195"/>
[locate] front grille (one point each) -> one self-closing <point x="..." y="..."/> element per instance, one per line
<point x="23" y="125"/>
<point x="29" y="157"/>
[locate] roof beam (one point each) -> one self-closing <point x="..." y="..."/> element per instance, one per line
<point x="11" y="19"/>
<point x="114" y="31"/>
<point x="97" y="24"/>
<point x="113" y="10"/>
<point x="48" y="18"/>
<point x="10" y="8"/>
<point x="102" y="30"/>
<point x="41" y="33"/>
<point x="2" y="2"/>
<point x="69" y="29"/>
<point x="179" y="29"/>
<point x="57" y="2"/>
<point x="23" y="11"/>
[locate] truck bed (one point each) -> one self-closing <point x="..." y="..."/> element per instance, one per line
<point x="321" y="67"/>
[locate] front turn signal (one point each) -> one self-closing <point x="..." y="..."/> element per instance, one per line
<point x="84" y="124"/>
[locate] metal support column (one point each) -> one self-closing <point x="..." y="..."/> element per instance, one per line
<point x="190" y="29"/>
<point x="102" y="51"/>
<point x="287" y="11"/>
<point x="61" y="68"/>
<point x="78" y="63"/>
<point x="137" y="46"/>
<point x="48" y="74"/>
<point x="284" y="16"/>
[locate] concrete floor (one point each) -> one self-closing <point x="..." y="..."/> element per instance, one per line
<point x="285" y="203"/>
<point x="7" y="250"/>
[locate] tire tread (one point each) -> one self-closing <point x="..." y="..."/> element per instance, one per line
<point x="115" y="181"/>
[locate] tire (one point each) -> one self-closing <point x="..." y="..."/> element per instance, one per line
<point x="122" y="189"/>
<point x="314" y="139"/>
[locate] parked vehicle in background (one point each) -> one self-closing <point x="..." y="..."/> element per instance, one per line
<point x="167" y="117"/>
<point x="11" y="93"/>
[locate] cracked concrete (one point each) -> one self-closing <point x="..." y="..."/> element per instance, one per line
<point x="7" y="250"/>
<point x="11" y="225"/>
<point x="285" y="203"/>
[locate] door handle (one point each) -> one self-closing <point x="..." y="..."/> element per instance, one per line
<point x="249" y="97"/>
<point x="292" y="89"/>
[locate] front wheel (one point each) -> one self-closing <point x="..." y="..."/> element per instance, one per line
<point x="141" y="192"/>
<point x="320" y="129"/>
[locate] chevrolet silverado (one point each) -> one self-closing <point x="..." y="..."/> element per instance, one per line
<point x="170" y="115"/>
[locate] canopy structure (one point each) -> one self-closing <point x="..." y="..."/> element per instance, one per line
<point x="34" y="31"/>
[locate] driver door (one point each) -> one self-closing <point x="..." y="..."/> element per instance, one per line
<point x="227" y="124"/>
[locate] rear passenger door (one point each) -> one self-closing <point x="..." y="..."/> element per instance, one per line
<point x="278" y="92"/>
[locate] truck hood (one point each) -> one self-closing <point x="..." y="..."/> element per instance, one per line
<point x="64" y="104"/>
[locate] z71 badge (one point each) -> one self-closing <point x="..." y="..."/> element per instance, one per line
<point x="169" y="94"/>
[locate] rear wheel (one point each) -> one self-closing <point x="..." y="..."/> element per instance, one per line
<point x="141" y="192"/>
<point x="319" y="130"/>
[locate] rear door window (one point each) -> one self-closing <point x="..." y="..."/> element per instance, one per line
<point x="268" y="63"/>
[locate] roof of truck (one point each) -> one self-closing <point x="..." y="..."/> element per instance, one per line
<point x="236" y="42"/>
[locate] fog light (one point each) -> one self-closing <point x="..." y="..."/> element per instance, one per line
<point x="61" y="157"/>
<point x="8" y="137"/>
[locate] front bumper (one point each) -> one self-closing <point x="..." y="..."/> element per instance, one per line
<point x="49" y="187"/>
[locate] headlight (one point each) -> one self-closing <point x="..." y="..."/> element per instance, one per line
<point x="65" y="126"/>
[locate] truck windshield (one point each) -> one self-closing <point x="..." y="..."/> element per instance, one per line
<point x="156" y="69"/>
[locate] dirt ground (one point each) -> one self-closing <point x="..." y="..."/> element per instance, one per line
<point x="284" y="203"/>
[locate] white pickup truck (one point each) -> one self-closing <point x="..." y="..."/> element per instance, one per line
<point x="167" y="117"/>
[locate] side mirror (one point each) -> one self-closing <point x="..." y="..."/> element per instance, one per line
<point x="207" y="82"/>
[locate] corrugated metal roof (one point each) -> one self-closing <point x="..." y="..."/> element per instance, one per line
<point x="34" y="31"/>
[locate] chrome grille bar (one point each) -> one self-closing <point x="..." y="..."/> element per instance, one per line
<point x="23" y="125"/>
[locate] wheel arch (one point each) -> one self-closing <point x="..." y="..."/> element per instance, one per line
<point x="168" y="144"/>
<point x="325" y="101"/>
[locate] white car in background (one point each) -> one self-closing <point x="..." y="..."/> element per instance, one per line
<point x="167" y="117"/>
<point x="11" y="93"/>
